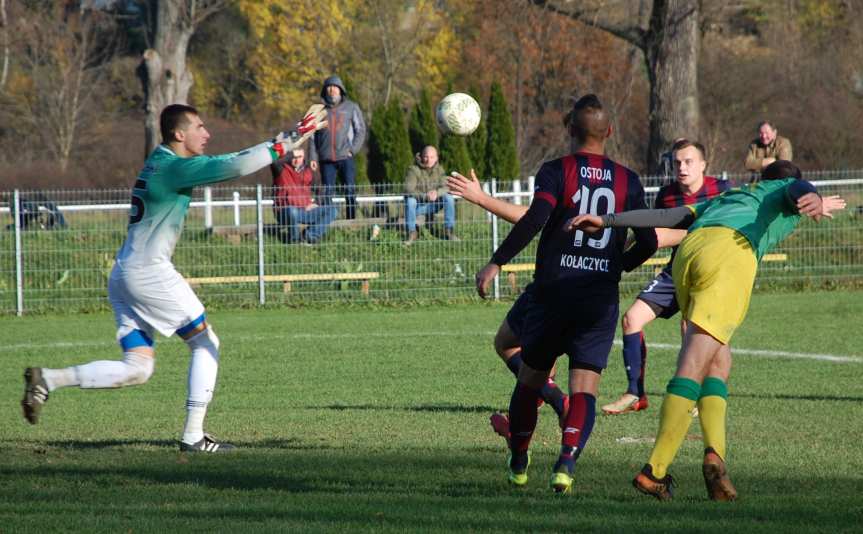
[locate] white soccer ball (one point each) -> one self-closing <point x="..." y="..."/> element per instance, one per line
<point x="458" y="113"/>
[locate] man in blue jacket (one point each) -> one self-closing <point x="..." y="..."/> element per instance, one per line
<point x="334" y="150"/>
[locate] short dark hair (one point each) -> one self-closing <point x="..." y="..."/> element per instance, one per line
<point x="588" y="119"/>
<point x="174" y="117"/>
<point x="686" y="143"/>
<point x="781" y="169"/>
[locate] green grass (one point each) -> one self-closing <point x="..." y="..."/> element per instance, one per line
<point x="376" y="420"/>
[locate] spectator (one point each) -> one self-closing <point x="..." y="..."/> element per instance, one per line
<point x="294" y="205"/>
<point x="426" y="193"/>
<point x="336" y="146"/>
<point x="37" y="211"/>
<point x="768" y="148"/>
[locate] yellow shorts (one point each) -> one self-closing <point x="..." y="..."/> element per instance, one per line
<point x="714" y="270"/>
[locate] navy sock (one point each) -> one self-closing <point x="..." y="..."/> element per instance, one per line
<point x="522" y="417"/>
<point x="632" y="359"/>
<point x="514" y="363"/>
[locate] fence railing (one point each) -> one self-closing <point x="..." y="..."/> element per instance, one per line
<point x="58" y="248"/>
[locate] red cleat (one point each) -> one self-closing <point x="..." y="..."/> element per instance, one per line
<point x="500" y="424"/>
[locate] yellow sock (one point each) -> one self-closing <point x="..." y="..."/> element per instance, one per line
<point x="712" y="407"/>
<point x="674" y="421"/>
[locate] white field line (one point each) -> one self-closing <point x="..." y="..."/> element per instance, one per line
<point x="736" y="351"/>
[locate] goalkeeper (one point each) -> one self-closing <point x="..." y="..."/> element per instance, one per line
<point x="713" y="272"/>
<point x="145" y="291"/>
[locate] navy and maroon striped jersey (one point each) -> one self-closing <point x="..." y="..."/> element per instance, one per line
<point x="670" y="196"/>
<point x="577" y="184"/>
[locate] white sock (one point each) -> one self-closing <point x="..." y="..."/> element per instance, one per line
<point x="203" y="368"/>
<point x="134" y="369"/>
<point x="60" y="378"/>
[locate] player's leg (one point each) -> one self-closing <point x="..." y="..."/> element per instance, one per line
<point x="590" y="342"/>
<point x="639" y="315"/>
<point x="712" y="405"/>
<point x="682" y="392"/>
<point x="523" y="419"/>
<point x="135" y="337"/>
<point x="203" y="369"/>
<point x="578" y="424"/>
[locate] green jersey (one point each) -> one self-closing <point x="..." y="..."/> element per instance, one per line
<point x="763" y="212"/>
<point x="163" y="190"/>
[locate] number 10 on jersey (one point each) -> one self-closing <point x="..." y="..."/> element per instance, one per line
<point x="584" y="200"/>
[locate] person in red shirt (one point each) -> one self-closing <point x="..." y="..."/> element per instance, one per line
<point x="294" y="205"/>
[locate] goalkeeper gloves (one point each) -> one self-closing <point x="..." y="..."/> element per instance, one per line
<point x="311" y="122"/>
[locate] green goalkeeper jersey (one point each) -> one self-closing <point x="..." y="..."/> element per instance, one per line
<point x="163" y="190"/>
<point x="763" y="212"/>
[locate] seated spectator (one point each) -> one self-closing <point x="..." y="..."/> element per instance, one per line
<point x="767" y="148"/>
<point x="294" y="205"/>
<point x="426" y="193"/>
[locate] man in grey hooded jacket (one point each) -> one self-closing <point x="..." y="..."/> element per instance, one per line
<point x="334" y="150"/>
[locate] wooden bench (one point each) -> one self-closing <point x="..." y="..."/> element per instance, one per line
<point x="288" y="279"/>
<point x="658" y="263"/>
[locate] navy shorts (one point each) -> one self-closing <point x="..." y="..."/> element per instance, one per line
<point x="659" y="295"/>
<point x="583" y="329"/>
<point x="515" y="316"/>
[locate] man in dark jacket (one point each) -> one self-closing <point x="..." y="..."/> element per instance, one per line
<point x="334" y="150"/>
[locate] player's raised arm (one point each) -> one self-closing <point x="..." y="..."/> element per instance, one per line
<point x="679" y="218"/>
<point x="471" y="190"/>
<point x="199" y="170"/>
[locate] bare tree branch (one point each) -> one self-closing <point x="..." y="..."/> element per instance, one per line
<point x="600" y="15"/>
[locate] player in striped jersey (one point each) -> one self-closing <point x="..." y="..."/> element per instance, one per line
<point x="657" y="298"/>
<point x="574" y="305"/>
<point x="145" y="290"/>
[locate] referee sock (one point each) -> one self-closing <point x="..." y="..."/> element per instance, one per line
<point x="674" y="421"/>
<point x="634" y="358"/>
<point x="712" y="407"/>
<point x="576" y="430"/>
<point x="522" y="417"/>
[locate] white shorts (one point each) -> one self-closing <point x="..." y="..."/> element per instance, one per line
<point x="156" y="297"/>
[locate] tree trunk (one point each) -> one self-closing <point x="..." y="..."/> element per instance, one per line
<point x="670" y="45"/>
<point x="4" y="70"/>
<point x="163" y="69"/>
<point x="671" y="54"/>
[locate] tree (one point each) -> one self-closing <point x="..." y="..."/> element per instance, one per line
<point x="500" y="154"/>
<point x="4" y="70"/>
<point x="477" y="140"/>
<point x="389" y="146"/>
<point x="163" y="71"/>
<point x="423" y="128"/>
<point x="60" y="56"/>
<point x="454" y="155"/>
<point x="669" y="38"/>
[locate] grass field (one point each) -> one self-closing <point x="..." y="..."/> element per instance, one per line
<point x="375" y="420"/>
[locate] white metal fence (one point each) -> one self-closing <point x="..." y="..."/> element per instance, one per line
<point x="57" y="252"/>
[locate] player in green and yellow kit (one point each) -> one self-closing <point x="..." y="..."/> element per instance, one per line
<point x="714" y="271"/>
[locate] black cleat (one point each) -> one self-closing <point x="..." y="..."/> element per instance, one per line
<point x="35" y="394"/>
<point x="206" y="444"/>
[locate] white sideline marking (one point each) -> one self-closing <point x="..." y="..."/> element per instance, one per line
<point x="769" y="353"/>
<point x="734" y="350"/>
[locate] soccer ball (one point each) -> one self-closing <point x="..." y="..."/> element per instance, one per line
<point x="458" y="113"/>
